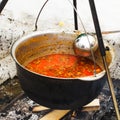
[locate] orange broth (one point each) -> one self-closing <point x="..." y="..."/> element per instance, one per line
<point x="63" y="66"/>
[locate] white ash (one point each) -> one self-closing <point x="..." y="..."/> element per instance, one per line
<point x="7" y="68"/>
<point x="11" y="30"/>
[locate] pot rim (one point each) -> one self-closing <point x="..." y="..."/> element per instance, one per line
<point x="37" y="33"/>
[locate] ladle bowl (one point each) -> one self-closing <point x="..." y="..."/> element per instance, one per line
<point x="85" y="45"/>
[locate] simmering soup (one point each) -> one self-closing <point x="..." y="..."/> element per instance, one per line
<point x="63" y="66"/>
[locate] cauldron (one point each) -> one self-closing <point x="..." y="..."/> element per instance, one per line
<point x="52" y="92"/>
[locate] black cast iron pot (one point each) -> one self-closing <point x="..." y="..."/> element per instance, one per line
<point x="56" y="93"/>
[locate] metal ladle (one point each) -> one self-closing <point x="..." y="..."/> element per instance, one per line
<point x="85" y="45"/>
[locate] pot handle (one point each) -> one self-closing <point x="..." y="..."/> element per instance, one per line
<point x="39" y="15"/>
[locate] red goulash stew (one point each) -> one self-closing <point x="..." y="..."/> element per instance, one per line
<point x="63" y="66"/>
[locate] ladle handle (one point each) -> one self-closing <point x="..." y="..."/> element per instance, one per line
<point x="97" y="27"/>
